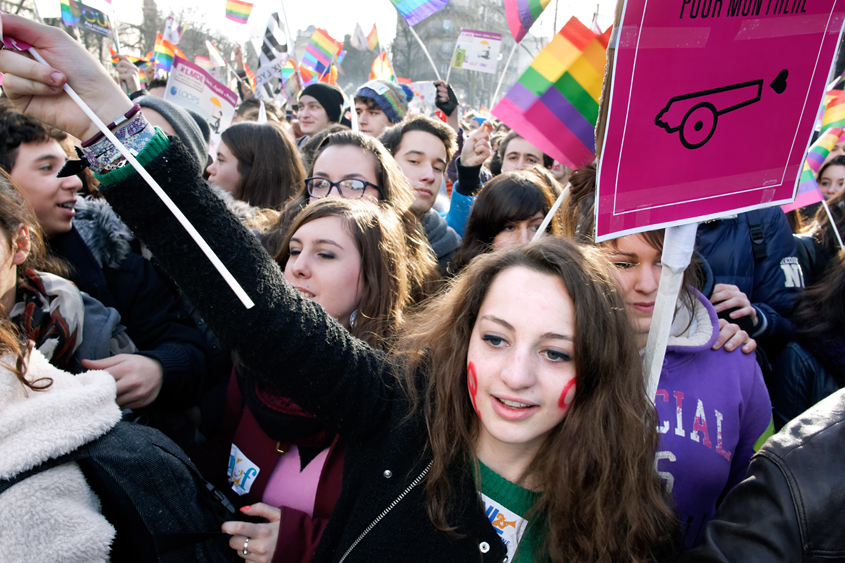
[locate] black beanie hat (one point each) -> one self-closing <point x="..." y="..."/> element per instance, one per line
<point x="330" y="97"/>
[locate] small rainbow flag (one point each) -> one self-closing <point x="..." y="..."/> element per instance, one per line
<point x="238" y="11"/>
<point x="834" y="112"/>
<point x="372" y="39"/>
<point x="250" y="76"/>
<point x="808" y="188"/>
<point x="555" y="103"/>
<point x="202" y="62"/>
<point x="70" y="12"/>
<point x="381" y="69"/>
<point x="521" y="15"/>
<point x="217" y="59"/>
<point x="164" y="51"/>
<point x="288" y="70"/>
<point x="321" y="51"/>
<point x="415" y="11"/>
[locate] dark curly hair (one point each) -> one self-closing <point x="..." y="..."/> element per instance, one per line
<point x="17" y="129"/>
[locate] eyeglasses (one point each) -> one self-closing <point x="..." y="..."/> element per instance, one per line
<point x="352" y="188"/>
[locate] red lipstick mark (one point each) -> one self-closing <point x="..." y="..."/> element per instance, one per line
<point x="561" y="402"/>
<point x="472" y="384"/>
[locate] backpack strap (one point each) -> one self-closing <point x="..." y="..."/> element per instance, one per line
<point x="758" y="240"/>
<point x="77" y="454"/>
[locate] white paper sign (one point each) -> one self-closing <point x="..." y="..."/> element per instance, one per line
<point x="477" y="50"/>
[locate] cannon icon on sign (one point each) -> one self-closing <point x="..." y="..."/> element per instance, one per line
<point x="695" y="116"/>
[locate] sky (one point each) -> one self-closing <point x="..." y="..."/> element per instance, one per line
<point x="338" y="17"/>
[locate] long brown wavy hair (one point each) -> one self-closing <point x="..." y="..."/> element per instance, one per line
<point x="601" y="499"/>
<point x="394" y="193"/>
<point x="380" y="240"/>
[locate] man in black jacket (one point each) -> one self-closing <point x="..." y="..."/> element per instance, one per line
<point x="788" y="508"/>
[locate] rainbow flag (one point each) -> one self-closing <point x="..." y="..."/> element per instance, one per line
<point x="372" y="39"/>
<point x="164" y="51"/>
<point x="288" y="70"/>
<point x="70" y="12"/>
<point x="250" y="76"/>
<point x="808" y="188"/>
<point x="555" y="103"/>
<point x="203" y="62"/>
<point x="521" y="15"/>
<point x="320" y="52"/>
<point x="834" y="112"/>
<point x="238" y="11"/>
<point x="415" y="11"/>
<point x="381" y="69"/>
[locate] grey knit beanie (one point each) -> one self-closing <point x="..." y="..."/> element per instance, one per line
<point x="187" y="124"/>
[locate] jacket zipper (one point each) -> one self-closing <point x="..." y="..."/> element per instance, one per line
<point x="378" y="519"/>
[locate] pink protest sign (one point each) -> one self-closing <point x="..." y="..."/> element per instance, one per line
<point x="711" y="108"/>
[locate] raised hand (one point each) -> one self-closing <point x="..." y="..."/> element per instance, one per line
<point x="36" y="89"/>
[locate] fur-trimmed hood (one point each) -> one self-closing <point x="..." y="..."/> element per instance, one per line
<point x="105" y="235"/>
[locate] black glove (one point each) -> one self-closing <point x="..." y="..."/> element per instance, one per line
<point x="449" y="105"/>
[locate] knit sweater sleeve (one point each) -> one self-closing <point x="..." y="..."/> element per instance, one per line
<point x="288" y="342"/>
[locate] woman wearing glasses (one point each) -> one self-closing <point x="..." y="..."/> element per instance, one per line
<point x="356" y="166"/>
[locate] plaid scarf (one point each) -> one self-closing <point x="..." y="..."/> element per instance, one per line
<point x="49" y="311"/>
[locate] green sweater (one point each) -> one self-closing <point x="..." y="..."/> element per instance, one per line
<point x="506" y="505"/>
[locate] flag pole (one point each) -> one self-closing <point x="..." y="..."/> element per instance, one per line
<point x="292" y="43"/>
<point x="452" y="58"/>
<point x="833" y="224"/>
<point x="427" y="54"/>
<point x="502" y="76"/>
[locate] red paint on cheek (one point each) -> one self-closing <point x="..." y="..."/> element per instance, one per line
<point x="472" y="384"/>
<point x="561" y="402"/>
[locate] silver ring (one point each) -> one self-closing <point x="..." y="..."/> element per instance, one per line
<point x="246" y="543"/>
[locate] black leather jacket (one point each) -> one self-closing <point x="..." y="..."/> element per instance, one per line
<point x="789" y="507"/>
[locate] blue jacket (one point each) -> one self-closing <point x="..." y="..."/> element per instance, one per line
<point x="771" y="284"/>
<point x="800" y="381"/>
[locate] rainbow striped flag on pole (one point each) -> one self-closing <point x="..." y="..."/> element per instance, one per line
<point x="372" y="39"/>
<point x="415" y="11"/>
<point x="381" y="69"/>
<point x="321" y="51"/>
<point x="164" y="51"/>
<point x="238" y="11"/>
<point x="808" y="188"/>
<point x="70" y="12"/>
<point x="521" y="15"/>
<point x="555" y="103"/>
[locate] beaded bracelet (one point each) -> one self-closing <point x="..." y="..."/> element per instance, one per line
<point x="135" y="134"/>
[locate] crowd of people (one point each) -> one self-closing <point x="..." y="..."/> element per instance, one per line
<point x="427" y="371"/>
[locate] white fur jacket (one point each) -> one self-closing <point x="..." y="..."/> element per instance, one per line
<point x="52" y="516"/>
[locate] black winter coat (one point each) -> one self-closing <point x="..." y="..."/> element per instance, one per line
<point x="789" y="508"/>
<point x="292" y="345"/>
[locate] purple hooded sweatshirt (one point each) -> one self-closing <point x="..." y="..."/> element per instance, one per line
<point x="714" y="414"/>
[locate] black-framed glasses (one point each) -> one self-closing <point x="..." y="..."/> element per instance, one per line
<point x="351" y="188"/>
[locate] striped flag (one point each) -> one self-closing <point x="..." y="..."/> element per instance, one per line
<point x="834" y="112"/>
<point x="70" y="12"/>
<point x="555" y="103"/>
<point x="203" y="62"/>
<point x="238" y="11"/>
<point x="415" y="11"/>
<point x="372" y="39"/>
<point x="163" y="53"/>
<point x="321" y="52"/>
<point x="521" y="15"/>
<point x="216" y="58"/>
<point x="250" y="76"/>
<point x="381" y="69"/>
<point x="808" y="188"/>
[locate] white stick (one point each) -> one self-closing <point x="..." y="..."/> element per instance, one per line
<point x="678" y="245"/>
<point x="291" y="45"/>
<point x="452" y="59"/>
<point x="417" y="37"/>
<point x="230" y="279"/>
<point x="833" y="225"/>
<point x="548" y="219"/>
<point x="502" y="77"/>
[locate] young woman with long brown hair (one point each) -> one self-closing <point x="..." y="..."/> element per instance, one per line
<point x="258" y="164"/>
<point x="530" y="355"/>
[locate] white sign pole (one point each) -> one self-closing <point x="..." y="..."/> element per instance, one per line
<point x="678" y="245"/>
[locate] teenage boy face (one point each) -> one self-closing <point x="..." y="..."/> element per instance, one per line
<point x="371" y="120"/>
<point x="312" y="115"/>
<point x="422" y="157"/>
<point x="51" y="198"/>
